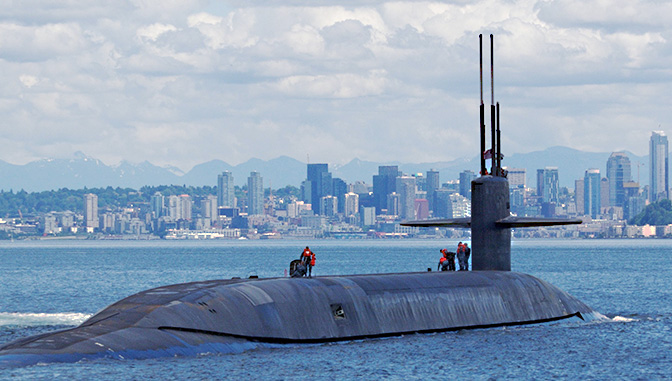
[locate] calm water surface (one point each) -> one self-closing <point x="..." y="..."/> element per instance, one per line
<point x="52" y="285"/>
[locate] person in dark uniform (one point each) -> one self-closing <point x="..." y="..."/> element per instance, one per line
<point x="460" y="255"/>
<point x="450" y="258"/>
<point x="467" y="253"/>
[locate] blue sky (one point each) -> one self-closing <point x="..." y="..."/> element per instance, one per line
<point x="184" y="82"/>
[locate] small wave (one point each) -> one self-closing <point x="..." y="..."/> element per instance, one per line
<point x="623" y="319"/>
<point x="40" y="319"/>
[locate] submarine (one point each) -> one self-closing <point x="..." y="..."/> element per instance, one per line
<point x="235" y="315"/>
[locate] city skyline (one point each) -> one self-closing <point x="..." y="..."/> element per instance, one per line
<point x="176" y="83"/>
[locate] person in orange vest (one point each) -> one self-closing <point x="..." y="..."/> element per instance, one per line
<point x="312" y="263"/>
<point x="308" y="259"/>
<point x="443" y="262"/>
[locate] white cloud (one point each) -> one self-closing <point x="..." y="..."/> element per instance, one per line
<point x="182" y="82"/>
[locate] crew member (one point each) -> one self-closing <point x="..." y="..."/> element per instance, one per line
<point x="443" y="262"/>
<point x="450" y="258"/>
<point x="461" y="256"/>
<point x="467" y="253"/>
<point x="312" y="263"/>
<point x="308" y="259"/>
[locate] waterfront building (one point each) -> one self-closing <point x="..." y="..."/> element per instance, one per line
<point x="255" y="194"/>
<point x="226" y="195"/>
<point x="466" y="177"/>
<point x="658" y="167"/>
<point x="618" y="173"/>
<point x="405" y="187"/>
<point x="91" y="211"/>
<point x="592" y="192"/>
<point x="384" y="183"/>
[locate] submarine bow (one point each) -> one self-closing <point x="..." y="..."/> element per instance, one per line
<point x="230" y="316"/>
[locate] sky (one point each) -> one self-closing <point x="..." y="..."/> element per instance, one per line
<point x="183" y="82"/>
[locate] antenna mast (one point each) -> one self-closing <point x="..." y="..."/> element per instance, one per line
<point x="482" y="110"/>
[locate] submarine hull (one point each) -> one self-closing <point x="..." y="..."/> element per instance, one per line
<point x="229" y="316"/>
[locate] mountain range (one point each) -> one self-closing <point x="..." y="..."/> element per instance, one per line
<point x="83" y="171"/>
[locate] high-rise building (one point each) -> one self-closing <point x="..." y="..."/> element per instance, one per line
<point x="516" y="177"/>
<point x="548" y="185"/>
<point x="329" y="206"/>
<point x="658" y="167"/>
<point x="209" y="208"/>
<point x="255" y="194"/>
<point x="158" y="205"/>
<point x="421" y="209"/>
<point x="393" y="204"/>
<point x="432" y="184"/>
<point x="384" y="183"/>
<point x="226" y="196"/>
<point x="592" y="192"/>
<point x="604" y="193"/>
<point x="321" y="183"/>
<point x="368" y="215"/>
<point x="340" y="188"/>
<point x="185" y="203"/>
<point x="443" y="206"/>
<point x="579" y="188"/>
<point x="618" y="173"/>
<point x="466" y="177"/>
<point x="351" y="204"/>
<point x="405" y="187"/>
<point x="91" y="210"/>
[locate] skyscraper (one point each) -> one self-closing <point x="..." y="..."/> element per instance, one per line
<point x="433" y="183"/>
<point x="548" y="184"/>
<point x="516" y="177"/>
<point x="340" y="188"/>
<point x="592" y="192"/>
<point x="618" y="173"/>
<point x="91" y="210"/>
<point x="226" y="196"/>
<point x="658" y="167"/>
<point x="466" y="177"/>
<point x="351" y="204"/>
<point x="405" y="187"/>
<point x="255" y="194"/>
<point x="158" y="205"/>
<point x="384" y="183"/>
<point x="321" y="183"/>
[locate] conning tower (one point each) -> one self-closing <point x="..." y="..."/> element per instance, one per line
<point x="491" y="220"/>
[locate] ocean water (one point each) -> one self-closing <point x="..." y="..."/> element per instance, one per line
<point x="49" y="285"/>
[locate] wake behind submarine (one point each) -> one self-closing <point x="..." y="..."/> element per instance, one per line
<point x="230" y="316"/>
